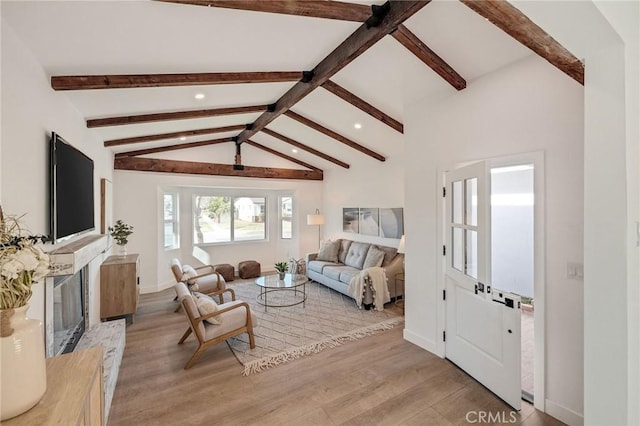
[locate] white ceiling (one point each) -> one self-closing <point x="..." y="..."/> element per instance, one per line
<point x="147" y="37"/>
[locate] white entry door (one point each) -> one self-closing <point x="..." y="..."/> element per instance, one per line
<point x="482" y="334"/>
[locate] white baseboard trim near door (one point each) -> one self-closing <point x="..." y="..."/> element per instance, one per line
<point x="420" y="341"/>
<point x="563" y="414"/>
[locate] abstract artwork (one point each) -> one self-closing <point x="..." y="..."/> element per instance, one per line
<point x="368" y="221"/>
<point x="350" y="219"/>
<point x="391" y="223"/>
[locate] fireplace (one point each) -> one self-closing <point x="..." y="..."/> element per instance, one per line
<point x="69" y="311"/>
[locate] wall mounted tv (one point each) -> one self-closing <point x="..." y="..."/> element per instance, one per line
<point x="71" y="190"/>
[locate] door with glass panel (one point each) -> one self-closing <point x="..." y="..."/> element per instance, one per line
<point x="482" y="334"/>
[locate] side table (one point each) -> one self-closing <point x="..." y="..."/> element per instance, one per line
<point x="399" y="279"/>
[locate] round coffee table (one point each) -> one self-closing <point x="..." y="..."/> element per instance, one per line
<point x="291" y="282"/>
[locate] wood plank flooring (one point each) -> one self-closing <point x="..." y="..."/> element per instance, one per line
<point x="381" y="380"/>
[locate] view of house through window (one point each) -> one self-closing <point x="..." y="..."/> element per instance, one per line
<point x="171" y="228"/>
<point x="286" y="214"/>
<point x="220" y="219"/>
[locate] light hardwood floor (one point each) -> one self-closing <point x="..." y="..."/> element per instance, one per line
<point x="380" y="379"/>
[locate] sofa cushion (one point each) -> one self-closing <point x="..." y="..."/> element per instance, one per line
<point x="374" y="258"/>
<point x="329" y="251"/>
<point x="344" y="249"/>
<point x="347" y="273"/>
<point x="332" y="272"/>
<point x="318" y="265"/>
<point x="389" y="254"/>
<point x="356" y="254"/>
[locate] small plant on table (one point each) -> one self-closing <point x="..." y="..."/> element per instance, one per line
<point x="281" y="268"/>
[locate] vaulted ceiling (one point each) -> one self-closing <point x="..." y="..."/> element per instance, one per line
<point x="316" y="84"/>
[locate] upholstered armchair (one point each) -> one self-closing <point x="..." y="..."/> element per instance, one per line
<point x="220" y="323"/>
<point x="202" y="279"/>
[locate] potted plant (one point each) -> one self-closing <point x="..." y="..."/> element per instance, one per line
<point x="120" y="232"/>
<point x="22" y="264"/>
<point x="281" y="268"/>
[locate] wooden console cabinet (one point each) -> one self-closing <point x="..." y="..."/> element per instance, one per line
<point x="119" y="286"/>
<point x="74" y="392"/>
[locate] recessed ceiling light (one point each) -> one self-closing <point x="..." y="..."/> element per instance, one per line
<point x="295" y="151"/>
<point x="357" y="126"/>
<point x="199" y="96"/>
<point x="183" y="138"/>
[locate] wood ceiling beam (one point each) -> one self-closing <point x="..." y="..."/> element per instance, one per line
<point x="515" y="23"/>
<point x="130" y="81"/>
<point x="342" y="11"/>
<point x="213" y="169"/>
<point x="320" y="128"/>
<point x="363" y="105"/>
<point x="168" y="116"/>
<point x="161" y="136"/>
<point x="313" y="151"/>
<point x="369" y="33"/>
<point x="172" y="147"/>
<point x="281" y="155"/>
<point x="429" y="57"/>
<point x="311" y="8"/>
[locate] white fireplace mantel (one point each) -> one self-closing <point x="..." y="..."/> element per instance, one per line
<point x="70" y="258"/>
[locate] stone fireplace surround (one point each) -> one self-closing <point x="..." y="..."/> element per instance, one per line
<point x="71" y="258"/>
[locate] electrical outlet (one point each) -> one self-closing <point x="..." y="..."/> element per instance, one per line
<point x="575" y="271"/>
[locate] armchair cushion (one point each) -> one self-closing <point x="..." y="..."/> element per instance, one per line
<point x="232" y="319"/>
<point x="207" y="305"/>
<point x="188" y="273"/>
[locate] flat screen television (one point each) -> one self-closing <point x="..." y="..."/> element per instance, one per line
<point x="71" y="190"/>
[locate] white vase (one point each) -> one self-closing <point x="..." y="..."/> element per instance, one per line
<point x="24" y="378"/>
<point x="122" y="250"/>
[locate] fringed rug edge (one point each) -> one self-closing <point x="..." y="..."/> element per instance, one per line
<point x="265" y="363"/>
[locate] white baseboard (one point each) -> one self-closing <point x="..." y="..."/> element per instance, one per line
<point x="162" y="286"/>
<point x="420" y="341"/>
<point x="563" y="414"/>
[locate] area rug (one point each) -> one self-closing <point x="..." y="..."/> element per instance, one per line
<point x="327" y="320"/>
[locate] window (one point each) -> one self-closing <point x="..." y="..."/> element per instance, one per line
<point x="223" y="219"/>
<point x="171" y="224"/>
<point x="286" y="215"/>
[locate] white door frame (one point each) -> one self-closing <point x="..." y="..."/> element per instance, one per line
<point x="539" y="244"/>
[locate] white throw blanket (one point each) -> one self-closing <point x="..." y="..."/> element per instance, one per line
<point x="379" y="287"/>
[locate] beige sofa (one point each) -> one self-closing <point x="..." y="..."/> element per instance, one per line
<point x="335" y="269"/>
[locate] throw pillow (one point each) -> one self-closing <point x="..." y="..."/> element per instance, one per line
<point x="344" y="249"/>
<point x="188" y="273"/>
<point x="207" y="305"/>
<point x="374" y="258"/>
<point x="329" y="251"/>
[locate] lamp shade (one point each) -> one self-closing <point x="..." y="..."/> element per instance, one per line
<point x="315" y="219"/>
<point x="401" y="246"/>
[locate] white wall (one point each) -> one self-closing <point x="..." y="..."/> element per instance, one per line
<point x="525" y="107"/>
<point x="607" y="35"/>
<point x="137" y="201"/>
<point x="368" y="183"/>
<point x="31" y="110"/>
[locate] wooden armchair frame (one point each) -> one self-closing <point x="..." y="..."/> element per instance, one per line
<point x="194" y="326"/>
<point x="179" y="277"/>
